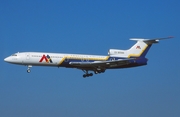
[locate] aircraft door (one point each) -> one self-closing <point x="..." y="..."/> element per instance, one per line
<point x="27" y="56"/>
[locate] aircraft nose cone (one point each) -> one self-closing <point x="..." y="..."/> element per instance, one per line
<point x="6" y="59"/>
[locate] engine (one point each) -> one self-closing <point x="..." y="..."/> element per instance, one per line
<point x="115" y="52"/>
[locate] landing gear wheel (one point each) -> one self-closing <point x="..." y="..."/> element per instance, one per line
<point x="28" y="71"/>
<point x="87" y="75"/>
<point x="84" y="76"/>
<point x="91" y="74"/>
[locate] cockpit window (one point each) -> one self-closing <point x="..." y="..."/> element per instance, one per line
<point x="14" y="55"/>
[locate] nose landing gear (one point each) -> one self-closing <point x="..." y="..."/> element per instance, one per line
<point x="28" y="69"/>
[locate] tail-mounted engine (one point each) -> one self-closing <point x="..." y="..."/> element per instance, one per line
<point x="115" y="52"/>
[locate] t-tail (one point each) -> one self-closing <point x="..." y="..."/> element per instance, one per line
<point x="138" y="50"/>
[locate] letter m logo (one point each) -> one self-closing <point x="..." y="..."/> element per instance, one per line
<point x="46" y="58"/>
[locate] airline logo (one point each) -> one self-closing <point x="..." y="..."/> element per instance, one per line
<point x="138" y="47"/>
<point x="46" y="58"/>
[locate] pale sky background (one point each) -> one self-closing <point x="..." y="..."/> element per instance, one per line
<point x="90" y="27"/>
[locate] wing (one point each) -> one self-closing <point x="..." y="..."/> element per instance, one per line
<point x="100" y="65"/>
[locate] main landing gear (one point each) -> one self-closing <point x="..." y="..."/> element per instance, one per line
<point x="91" y="74"/>
<point x="28" y="69"/>
<point x="87" y="74"/>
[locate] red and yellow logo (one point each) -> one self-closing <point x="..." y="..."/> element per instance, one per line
<point x="46" y="58"/>
<point x="138" y="47"/>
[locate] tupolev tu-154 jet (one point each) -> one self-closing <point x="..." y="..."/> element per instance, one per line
<point x="133" y="57"/>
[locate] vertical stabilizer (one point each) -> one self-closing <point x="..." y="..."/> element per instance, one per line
<point x="139" y="49"/>
<point x="142" y="46"/>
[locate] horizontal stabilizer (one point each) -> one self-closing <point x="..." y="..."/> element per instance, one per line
<point x="150" y="41"/>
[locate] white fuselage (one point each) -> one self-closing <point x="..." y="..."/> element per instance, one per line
<point x="50" y="59"/>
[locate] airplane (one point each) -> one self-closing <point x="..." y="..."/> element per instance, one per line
<point x="133" y="57"/>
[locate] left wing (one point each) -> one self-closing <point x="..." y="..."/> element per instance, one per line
<point x="101" y="64"/>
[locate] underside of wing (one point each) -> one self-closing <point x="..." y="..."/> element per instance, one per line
<point x="100" y="64"/>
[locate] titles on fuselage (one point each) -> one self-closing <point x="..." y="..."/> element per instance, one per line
<point x="85" y="57"/>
